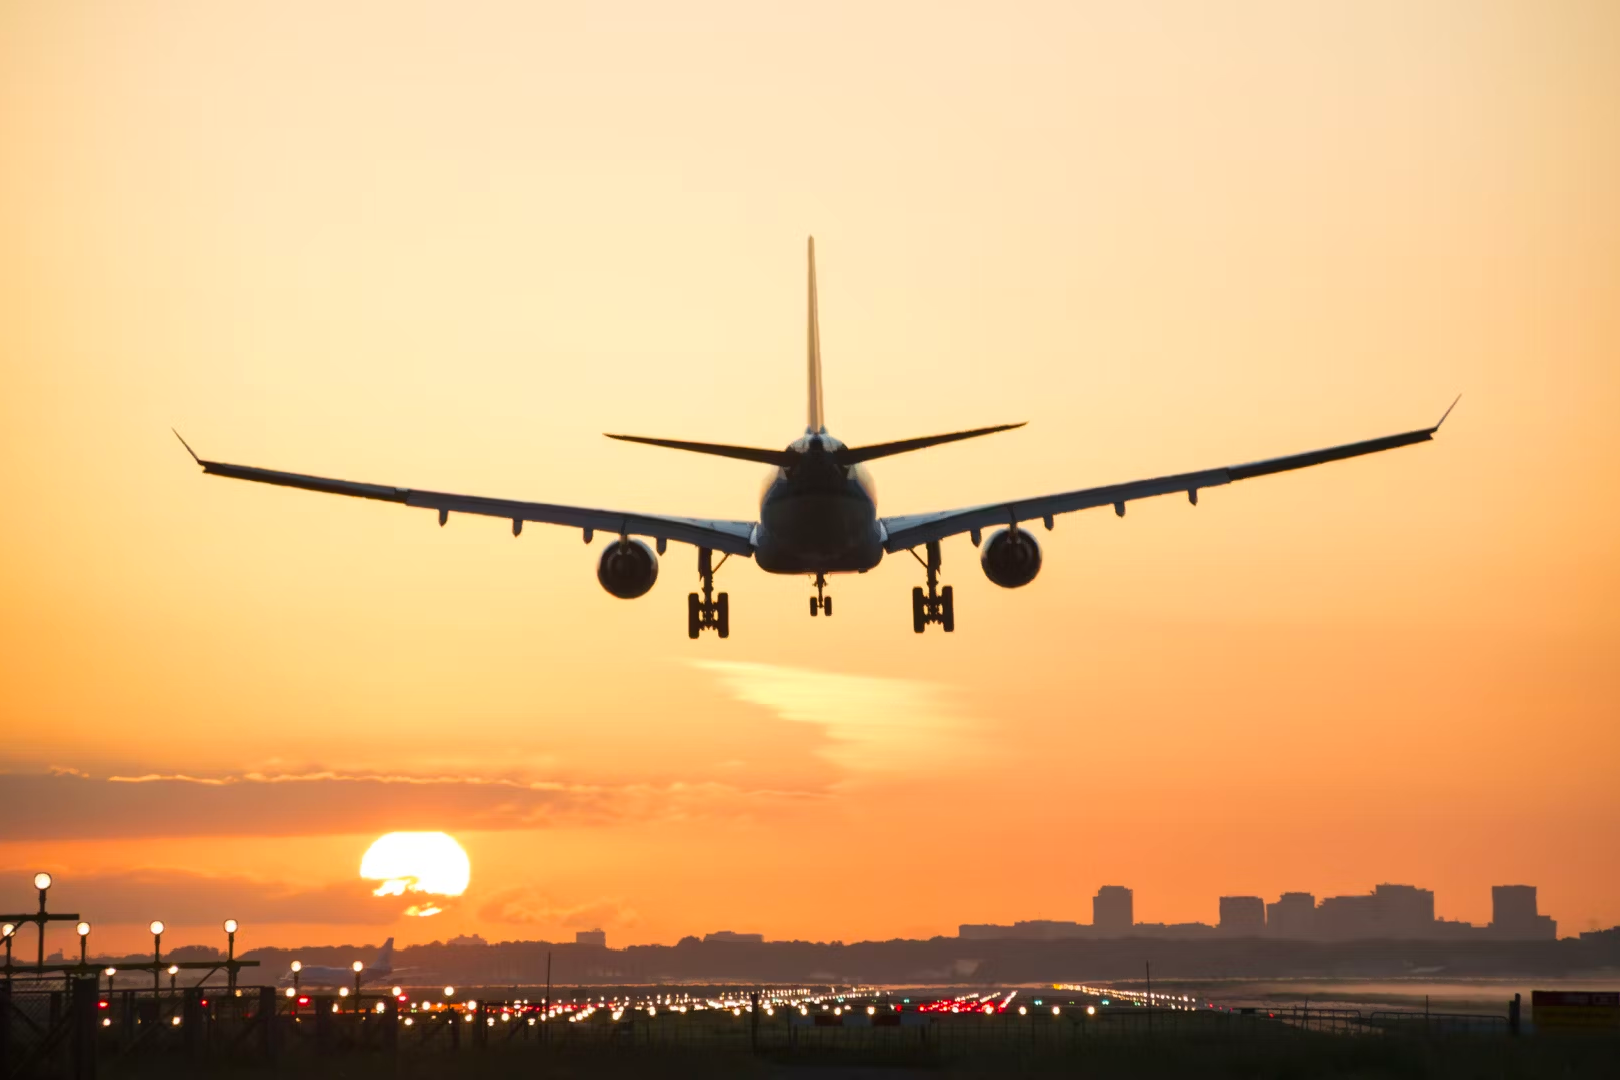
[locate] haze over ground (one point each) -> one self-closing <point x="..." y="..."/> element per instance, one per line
<point x="422" y="245"/>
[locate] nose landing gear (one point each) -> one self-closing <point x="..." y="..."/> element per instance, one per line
<point x="712" y="611"/>
<point x="937" y="605"/>
<point x="821" y="604"/>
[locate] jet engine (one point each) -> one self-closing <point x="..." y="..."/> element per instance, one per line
<point x="1011" y="558"/>
<point x="628" y="569"/>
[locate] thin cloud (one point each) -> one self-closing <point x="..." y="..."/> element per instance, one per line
<point x="188" y="898"/>
<point x="872" y="723"/>
<point x="67" y="804"/>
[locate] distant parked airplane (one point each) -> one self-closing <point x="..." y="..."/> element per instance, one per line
<point x="315" y="975"/>
<point x="818" y="514"/>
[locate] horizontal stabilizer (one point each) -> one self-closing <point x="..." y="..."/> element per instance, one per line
<point x="779" y="458"/>
<point x="850" y="455"/>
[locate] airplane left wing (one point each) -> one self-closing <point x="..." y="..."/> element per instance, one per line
<point x="731" y="537"/>
<point x="910" y="530"/>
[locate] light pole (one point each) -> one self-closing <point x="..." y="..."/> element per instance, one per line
<point x="110" y="973"/>
<point x="84" y="943"/>
<point x="156" y="927"/>
<point x="7" y="931"/>
<point x="297" y="966"/>
<point x="174" y="972"/>
<point x="42" y="882"/>
<point x="358" y="967"/>
<point x="230" y="955"/>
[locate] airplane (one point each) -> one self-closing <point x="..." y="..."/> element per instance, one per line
<point x="315" y="975"/>
<point x="818" y="514"/>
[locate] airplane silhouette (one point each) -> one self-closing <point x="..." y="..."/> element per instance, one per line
<point x="317" y="975"/>
<point x="818" y="514"/>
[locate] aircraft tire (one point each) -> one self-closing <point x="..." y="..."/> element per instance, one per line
<point x="918" y="618"/>
<point x="815" y="607"/>
<point x="722" y="613"/>
<point x="947" y="609"/>
<point x="694" y="621"/>
<point x="826" y="606"/>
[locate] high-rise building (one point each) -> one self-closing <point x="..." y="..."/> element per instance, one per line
<point x="590" y="937"/>
<point x="1389" y="911"/>
<point x="1243" y="914"/>
<point x="1293" y="915"/>
<point x="1111" y="908"/>
<point x="1514" y="915"/>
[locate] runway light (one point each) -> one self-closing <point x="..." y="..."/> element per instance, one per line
<point x="83" y="929"/>
<point x="343" y="991"/>
<point x="291" y="992"/>
<point x="174" y="969"/>
<point x="449" y="991"/>
<point x="298" y="965"/>
<point x="230" y="926"/>
<point x="7" y="930"/>
<point x="156" y="926"/>
<point x="175" y="1021"/>
<point x="111" y="972"/>
<point x="871" y="1010"/>
<point x="106" y="1021"/>
<point x="42" y="881"/>
<point x="398" y="991"/>
<point x="1022" y="1011"/>
<point x="357" y="967"/>
<point x="1056" y="1011"/>
<point x="1091" y="1010"/>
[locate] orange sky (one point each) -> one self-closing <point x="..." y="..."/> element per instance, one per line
<point x="413" y="244"/>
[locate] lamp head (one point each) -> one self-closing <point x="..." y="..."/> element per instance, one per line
<point x="157" y="926"/>
<point x="42" y="881"/>
<point x="298" y="965"/>
<point x="111" y="972"/>
<point x="7" y="930"/>
<point x="358" y="967"/>
<point x="343" y="991"/>
<point x="449" y="991"/>
<point x="174" y="969"/>
<point x="83" y="929"/>
<point x="230" y="926"/>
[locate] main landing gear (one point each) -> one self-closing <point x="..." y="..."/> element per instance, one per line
<point x="821" y="604"/>
<point x="711" y="612"/>
<point x="937" y="605"/>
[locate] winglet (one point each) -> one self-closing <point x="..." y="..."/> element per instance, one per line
<point x="1445" y="414"/>
<point x="187" y="445"/>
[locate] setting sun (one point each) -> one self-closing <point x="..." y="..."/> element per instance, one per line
<point x="417" y="862"/>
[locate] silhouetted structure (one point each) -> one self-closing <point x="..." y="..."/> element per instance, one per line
<point x="1514" y="915"/>
<point x="1293" y="915"/>
<point x="733" y="936"/>
<point x="1389" y="911"/>
<point x="590" y="937"/>
<point x="1243" y="915"/>
<point x="1111" y="909"/>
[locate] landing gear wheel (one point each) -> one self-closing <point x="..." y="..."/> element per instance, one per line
<point x="708" y="611"/>
<point x="722" y="614"/>
<point x="919" y="614"/>
<point x="947" y="609"/>
<point x="694" y="615"/>
<point x="826" y="606"/>
<point x="815" y="607"/>
<point x="936" y="605"/>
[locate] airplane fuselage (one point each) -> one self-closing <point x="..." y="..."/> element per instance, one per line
<point x="818" y="516"/>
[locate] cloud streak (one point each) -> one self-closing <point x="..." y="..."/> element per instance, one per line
<point x="872" y="724"/>
<point x="67" y="804"/>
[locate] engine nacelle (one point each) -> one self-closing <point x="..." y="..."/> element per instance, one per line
<point x="1011" y="558"/>
<point x="628" y="569"/>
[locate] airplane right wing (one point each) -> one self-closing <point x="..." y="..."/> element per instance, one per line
<point x="731" y="537"/>
<point x="909" y="530"/>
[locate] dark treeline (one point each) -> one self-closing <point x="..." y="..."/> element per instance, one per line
<point x="953" y="960"/>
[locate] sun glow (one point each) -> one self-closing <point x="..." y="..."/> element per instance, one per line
<point x="417" y="862"/>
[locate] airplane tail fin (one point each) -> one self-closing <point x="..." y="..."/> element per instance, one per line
<point x="385" y="957"/>
<point x="817" y="419"/>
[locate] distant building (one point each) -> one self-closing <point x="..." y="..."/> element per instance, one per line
<point x="1243" y="915"/>
<point x="1389" y="911"/>
<point x="1293" y="915"/>
<point x="590" y="937"/>
<point x="1111" y="909"/>
<point x="733" y="936"/>
<point x="467" y="939"/>
<point x="1514" y="915"/>
<point x="1030" y="930"/>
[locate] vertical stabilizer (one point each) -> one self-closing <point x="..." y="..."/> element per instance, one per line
<point x="817" y="420"/>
